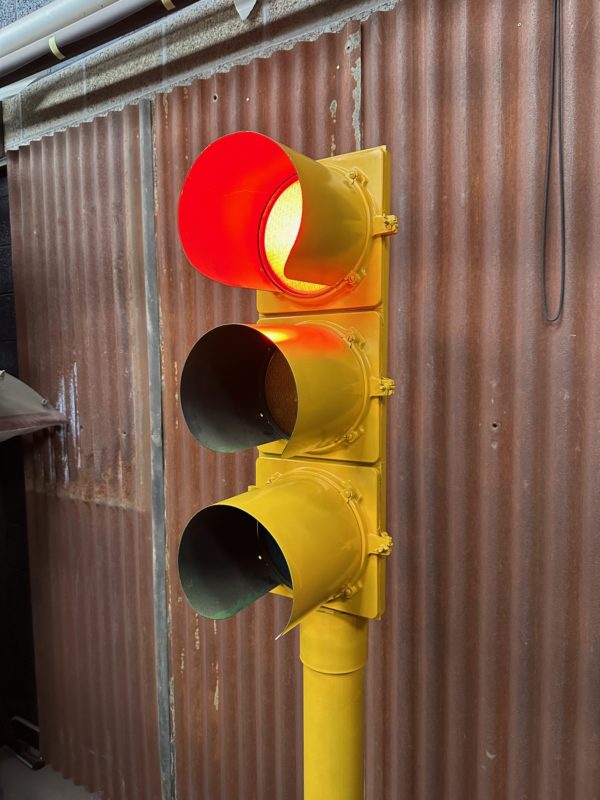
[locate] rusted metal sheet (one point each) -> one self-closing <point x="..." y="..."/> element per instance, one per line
<point x="483" y="674"/>
<point x="79" y="258"/>
<point x="237" y="692"/>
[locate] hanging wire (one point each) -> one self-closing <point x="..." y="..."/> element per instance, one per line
<point x="555" y="96"/>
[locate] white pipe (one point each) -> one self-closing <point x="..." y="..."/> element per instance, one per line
<point x="45" y="21"/>
<point x="87" y="25"/>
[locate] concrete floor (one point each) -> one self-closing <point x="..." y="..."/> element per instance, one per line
<point x="17" y="782"/>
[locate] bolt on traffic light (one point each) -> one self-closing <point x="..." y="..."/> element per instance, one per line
<point x="306" y="384"/>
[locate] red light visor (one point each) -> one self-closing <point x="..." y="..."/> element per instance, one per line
<point x="254" y="213"/>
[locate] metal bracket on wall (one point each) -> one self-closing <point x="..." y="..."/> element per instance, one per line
<point x="23" y="410"/>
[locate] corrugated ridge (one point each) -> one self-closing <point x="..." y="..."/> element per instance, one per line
<point x="583" y="95"/>
<point x="238" y="712"/>
<point x="79" y="281"/>
<point x="485" y="688"/>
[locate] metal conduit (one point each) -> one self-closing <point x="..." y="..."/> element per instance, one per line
<point x="117" y="19"/>
<point x="43" y="22"/>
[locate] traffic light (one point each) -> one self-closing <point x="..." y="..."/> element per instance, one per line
<point x="306" y="384"/>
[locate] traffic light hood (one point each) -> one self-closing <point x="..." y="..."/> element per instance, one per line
<point x="306" y="384"/>
<point x="247" y="385"/>
<point x="236" y="551"/>
<point x="256" y="214"/>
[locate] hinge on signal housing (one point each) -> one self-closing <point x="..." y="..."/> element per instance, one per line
<point x="380" y="544"/>
<point x="382" y="387"/>
<point x="385" y="224"/>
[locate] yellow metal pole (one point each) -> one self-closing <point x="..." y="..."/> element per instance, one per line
<point x="333" y="649"/>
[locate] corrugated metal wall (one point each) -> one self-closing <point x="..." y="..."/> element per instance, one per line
<point x="488" y="684"/>
<point x="78" y="256"/>
<point x="484" y="673"/>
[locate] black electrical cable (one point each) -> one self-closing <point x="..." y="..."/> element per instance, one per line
<point x="555" y="93"/>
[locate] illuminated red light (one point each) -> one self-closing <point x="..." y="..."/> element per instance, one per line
<point x="240" y="213"/>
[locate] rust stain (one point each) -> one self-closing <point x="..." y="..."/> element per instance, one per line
<point x="75" y="203"/>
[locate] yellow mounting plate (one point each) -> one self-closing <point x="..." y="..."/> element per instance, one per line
<point x="368" y="292"/>
<point x="368" y="598"/>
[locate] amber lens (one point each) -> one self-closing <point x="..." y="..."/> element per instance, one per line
<point x="281" y="232"/>
<point x="280" y="393"/>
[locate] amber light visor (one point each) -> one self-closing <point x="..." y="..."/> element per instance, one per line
<point x="255" y="214"/>
<point x="236" y="390"/>
<point x="246" y="385"/>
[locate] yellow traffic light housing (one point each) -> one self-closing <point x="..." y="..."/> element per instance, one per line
<point x="294" y="386"/>
<point x="306" y="384"/>
<point x="270" y="388"/>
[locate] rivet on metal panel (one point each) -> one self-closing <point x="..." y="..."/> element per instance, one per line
<point x="357" y="176"/>
<point x="353" y="435"/>
<point x="347" y="592"/>
<point x="350" y="493"/>
<point x="353" y="338"/>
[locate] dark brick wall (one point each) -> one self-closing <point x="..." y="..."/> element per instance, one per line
<point x="17" y="676"/>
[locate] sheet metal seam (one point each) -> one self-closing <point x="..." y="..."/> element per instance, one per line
<point x="166" y="742"/>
